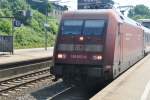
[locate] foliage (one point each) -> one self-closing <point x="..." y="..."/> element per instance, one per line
<point x="5" y="26"/>
<point x="54" y="26"/>
<point x="26" y="37"/>
<point x="32" y="32"/>
<point x="139" y="12"/>
<point x="4" y="4"/>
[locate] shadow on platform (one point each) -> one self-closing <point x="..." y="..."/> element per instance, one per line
<point x="5" y="54"/>
<point x="50" y="91"/>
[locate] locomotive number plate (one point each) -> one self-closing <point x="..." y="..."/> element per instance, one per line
<point x="78" y="56"/>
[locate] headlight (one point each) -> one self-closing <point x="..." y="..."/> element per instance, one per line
<point x="97" y="57"/>
<point x="61" y="56"/>
<point x="81" y="38"/>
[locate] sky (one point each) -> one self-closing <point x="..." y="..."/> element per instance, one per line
<point x="73" y="3"/>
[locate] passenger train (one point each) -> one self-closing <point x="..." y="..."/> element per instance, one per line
<point x="97" y="45"/>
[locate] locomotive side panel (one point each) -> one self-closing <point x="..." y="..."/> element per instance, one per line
<point x="111" y="55"/>
<point x="117" y="52"/>
<point x="131" y="46"/>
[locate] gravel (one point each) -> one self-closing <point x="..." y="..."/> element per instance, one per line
<point x="37" y="91"/>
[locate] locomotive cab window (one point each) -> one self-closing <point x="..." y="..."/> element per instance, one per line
<point x="86" y="27"/>
<point x="72" y="27"/>
<point x="94" y="27"/>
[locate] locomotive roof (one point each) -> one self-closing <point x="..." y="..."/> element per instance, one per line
<point x="90" y="11"/>
<point x="144" y="20"/>
<point x="87" y="13"/>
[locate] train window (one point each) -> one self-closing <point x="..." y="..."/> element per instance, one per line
<point x="146" y="24"/>
<point x="94" y="27"/>
<point x="72" y="27"/>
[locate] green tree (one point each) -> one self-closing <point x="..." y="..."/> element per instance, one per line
<point x="49" y="7"/>
<point x="139" y="11"/>
<point x="18" y="5"/>
<point x="4" y="4"/>
<point x="5" y="26"/>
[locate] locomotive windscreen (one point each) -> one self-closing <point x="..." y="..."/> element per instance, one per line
<point x="94" y="27"/>
<point x="72" y="27"/>
<point x="85" y="27"/>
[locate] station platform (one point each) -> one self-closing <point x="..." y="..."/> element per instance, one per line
<point x="134" y="84"/>
<point x="25" y="55"/>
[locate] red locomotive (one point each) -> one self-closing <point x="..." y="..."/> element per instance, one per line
<point x="95" y="45"/>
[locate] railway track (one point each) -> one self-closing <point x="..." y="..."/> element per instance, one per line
<point x="23" y="68"/>
<point x="24" y="63"/>
<point x="24" y="81"/>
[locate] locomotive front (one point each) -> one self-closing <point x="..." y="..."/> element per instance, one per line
<point x="80" y="44"/>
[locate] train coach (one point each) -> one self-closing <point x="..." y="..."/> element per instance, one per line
<point x="146" y="40"/>
<point x="97" y="45"/>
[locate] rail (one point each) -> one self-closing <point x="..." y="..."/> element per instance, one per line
<point x="13" y="84"/>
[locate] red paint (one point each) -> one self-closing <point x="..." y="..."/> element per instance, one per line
<point x="121" y="41"/>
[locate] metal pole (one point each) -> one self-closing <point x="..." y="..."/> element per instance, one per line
<point x="0" y="4"/>
<point x="12" y="30"/>
<point x="46" y="35"/>
<point x="13" y="35"/>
